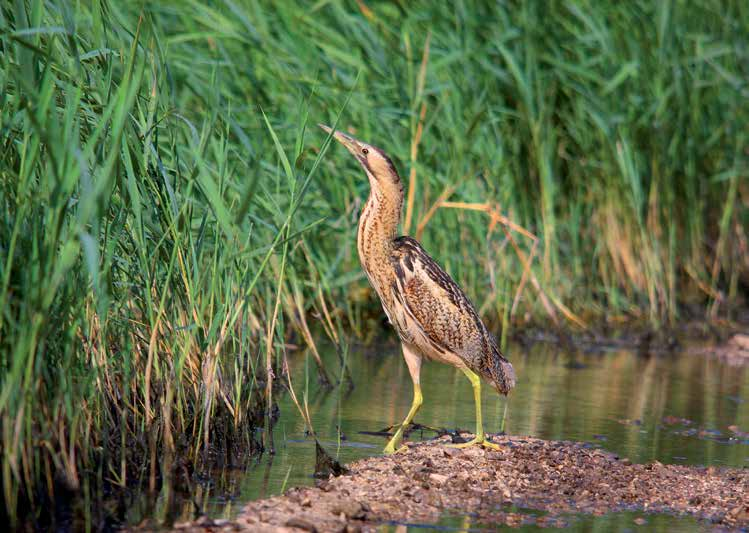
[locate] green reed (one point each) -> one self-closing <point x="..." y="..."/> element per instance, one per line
<point x="168" y="216"/>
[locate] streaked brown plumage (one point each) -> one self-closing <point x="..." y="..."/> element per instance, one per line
<point x="446" y="315"/>
<point x="432" y="315"/>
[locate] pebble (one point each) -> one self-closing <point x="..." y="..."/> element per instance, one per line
<point x="301" y="523"/>
<point x="438" y="479"/>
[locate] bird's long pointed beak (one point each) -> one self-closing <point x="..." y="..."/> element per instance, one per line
<point x="346" y="140"/>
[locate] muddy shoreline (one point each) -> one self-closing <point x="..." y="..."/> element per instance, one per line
<point x="557" y="477"/>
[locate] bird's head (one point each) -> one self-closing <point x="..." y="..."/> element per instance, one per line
<point x="378" y="166"/>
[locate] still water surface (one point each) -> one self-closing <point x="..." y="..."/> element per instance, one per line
<point x="672" y="408"/>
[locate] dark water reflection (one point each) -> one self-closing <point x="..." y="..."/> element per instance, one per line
<point x="670" y="408"/>
<point x="623" y="521"/>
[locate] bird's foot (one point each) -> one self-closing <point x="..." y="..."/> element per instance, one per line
<point x="477" y="441"/>
<point x="389" y="450"/>
<point x="392" y="445"/>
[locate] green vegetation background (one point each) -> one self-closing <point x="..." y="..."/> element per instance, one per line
<point x="168" y="220"/>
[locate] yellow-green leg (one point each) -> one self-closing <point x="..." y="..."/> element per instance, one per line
<point x="480" y="437"/>
<point x="415" y="405"/>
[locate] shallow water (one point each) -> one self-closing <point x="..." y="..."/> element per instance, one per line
<point x="671" y="408"/>
<point x="623" y="522"/>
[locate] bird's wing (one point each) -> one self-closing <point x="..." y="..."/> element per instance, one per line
<point x="438" y="305"/>
<point x="444" y="313"/>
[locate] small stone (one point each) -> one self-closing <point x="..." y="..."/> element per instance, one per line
<point x="301" y="523"/>
<point x="398" y="470"/>
<point x="306" y="502"/>
<point x="323" y="485"/>
<point x="438" y="479"/>
<point x="740" y="513"/>
<point x="350" y="509"/>
<point x="740" y="341"/>
<point x="640" y="521"/>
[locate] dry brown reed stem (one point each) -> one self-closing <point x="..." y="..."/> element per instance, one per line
<point x="743" y="246"/>
<point x="507" y="224"/>
<point x="701" y="285"/>
<point x="523" y="276"/>
<point x="303" y="412"/>
<point x="328" y="326"/>
<point x="166" y="411"/>
<point x="210" y="370"/>
<point x="444" y="195"/>
<point x="733" y="197"/>
<point x="366" y="11"/>
<point x="13" y="458"/>
<point x="718" y="257"/>
<point x="149" y="365"/>
<point x="417" y="135"/>
<point x="328" y="323"/>
<point x="412" y="172"/>
<point x="497" y="218"/>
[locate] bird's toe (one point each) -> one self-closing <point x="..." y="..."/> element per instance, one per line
<point x="490" y="445"/>
<point x="477" y="441"/>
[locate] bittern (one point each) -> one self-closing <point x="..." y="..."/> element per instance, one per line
<point x="432" y="315"/>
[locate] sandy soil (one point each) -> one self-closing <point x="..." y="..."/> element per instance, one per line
<point x="430" y="479"/>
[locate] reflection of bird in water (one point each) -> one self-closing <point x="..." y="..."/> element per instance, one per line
<point x="431" y="314"/>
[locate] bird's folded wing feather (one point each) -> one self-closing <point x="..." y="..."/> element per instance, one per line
<point x="437" y="303"/>
<point x="444" y="314"/>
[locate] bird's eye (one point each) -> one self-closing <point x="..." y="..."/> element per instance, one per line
<point x="365" y="151"/>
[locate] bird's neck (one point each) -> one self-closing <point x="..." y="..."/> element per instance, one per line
<point x="378" y="226"/>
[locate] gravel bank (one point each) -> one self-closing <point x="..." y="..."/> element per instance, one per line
<point x="431" y="479"/>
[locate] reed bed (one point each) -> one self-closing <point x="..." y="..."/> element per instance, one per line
<point x="170" y="225"/>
